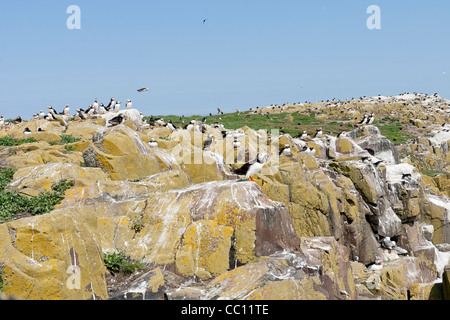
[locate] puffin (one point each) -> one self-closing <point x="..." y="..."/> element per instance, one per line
<point x="253" y="167"/>
<point x="81" y="114"/>
<point x="2" y="120"/>
<point x="310" y="151"/>
<point x="190" y="126"/>
<point x="160" y="122"/>
<point x="117" y="120"/>
<point x="111" y="104"/>
<point x="319" y="132"/>
<point x="208" y="142"/>
<point x="364" y="120"/>
<point x="129" y="104"/>
<point x="66" y="111"/>
<point x="95" y="105"/>
<point x="236" y="143"/>
<point x="371" y="119"/>
<point x="143" y="90"/>
<point x="117" y="107"/>
<point x="52" y="111"/>
<point x="102" y="109"/>
<point x="171" y="126"/>
<point x="27" y="131"/>
<point x="35" y="116"/>
<point x="153" y="143"/>
<point x="286" y="150"/>
<point x="41" y="115"/>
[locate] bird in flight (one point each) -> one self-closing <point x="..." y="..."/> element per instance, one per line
<point x="204" y="21"/>
<point x="143" y="90"/>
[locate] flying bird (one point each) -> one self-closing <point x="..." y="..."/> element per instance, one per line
<point x="144" y="90"/>
<point x="204" y="21"/>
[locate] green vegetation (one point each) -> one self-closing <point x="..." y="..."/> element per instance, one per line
<point x="12" y="202"/>
<point x="395" y="134"/>
<point x="433" y="173"/>
<point x="69" y="148"/>
<point x="66" y="139"/>
<point x="290" y="123"/>
<point x="117" y="262"/>
<point x="2" y="285"/>
<point x="11" y="142"/>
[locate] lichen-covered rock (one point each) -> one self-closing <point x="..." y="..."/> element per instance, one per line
<point x="53" y="257"/>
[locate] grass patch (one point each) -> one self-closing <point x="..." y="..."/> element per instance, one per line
<point x="65" y="139"/>
<point x="12" y="202"/>
<point x="433" y="173"/>
<point x="393" y="133"/>
<point x="117" y="262"/>
<point x="11" y="142"/>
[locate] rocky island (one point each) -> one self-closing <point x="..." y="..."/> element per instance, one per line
<point x="356" y="209"/>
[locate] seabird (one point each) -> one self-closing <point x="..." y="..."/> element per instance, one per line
<point x="371" y="119"/>
<point x="17" y="120"/>
<point x="117" y="120"/>
<point x="160" y="122"/>
<point x="286" y="150"/>
<point x="41" y="115"/>
<point x="35" y="116"/>
<point x="27" y="131"/>
<point x="40" y="130"/>
<point x="364" y="120"/>
<point x="253" y="167"/>
<point x="171" y="126"/>
<point x="236" y="143"/>
<point x="341" y="135"/>
<point x="310" y="151"/>
<point x="117" y="106"/>
<point x="102" y="109"/>
<point x="111" y="104"/>
<point x="153" y="143"/>
<point x="208" y="142"/>
<point x="144" y="90"/>
<point x="319" y="132"/>
<point x="81" y="114"/>
<point x="95" y="105"/>
<point x="2" y="121"/>
<point x="66" y="110"/>
<point x="129" y="104"/>
<point x="204" y="21"/>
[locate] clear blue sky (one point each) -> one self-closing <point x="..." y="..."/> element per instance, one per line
<point x="249" y="53"/>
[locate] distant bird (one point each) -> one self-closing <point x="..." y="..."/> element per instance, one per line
<point x="204" y="21"/>
<point x="319" y="133"/>
<point x="286" y="150"/>
<point x="35" y="116"/>
<point x="304" y="135"/>
<point x="171" y="126"/>
<point x="41" y="115"/>
<point x="236" y="143"/>
<point x="190" y="126"/>
<point x="129" y="104"/>
<point x="102" y="109"/>
<point x="117" y="120"/>
<point x="27" y="131"/>
<point x="2" y="121"/>
<point x="160" y="122"/>
<point x="371" y="119"/>
<point x="66" y="110"/>
<point x="52" y="111"/>
<point x="40" y="130"/>
<point x="111" y="104"/>
<point x="364" y="120"/>
<point x="253" y="167"/>
<point x="342" y="135"/>
<point x="17" y="120"/>
<point x="81" y="114"/>
<point x="95" y="105"/>
<point x="153" y="143"/>
<point x="117" y="107"/>
<point x="208" y="142"/>
<point x="310" y="151"/>
<point x="144" y="90"/>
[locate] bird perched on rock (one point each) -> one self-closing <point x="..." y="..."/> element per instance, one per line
<point x="253" y="167"/>
<point x="111" y="104"/>
<point x="81" y="114"/>
<point x="371" y="119"/>
<point x="171" y="126"/>
<point x="208" y="142"/>
<point x="117" y="107"/>
<point x="27" y="131"/>
<point x="129" y="104"/>
<point x="117" y="120"/>
<point x="153" y="143"/>
<point x="236" y="143"/>
<point x="286" y="150"/>
<point x="364" y="120"/>
<point x="319" y="133"/>
<point x="41" y="115"/>
<point x="66" y="110"/>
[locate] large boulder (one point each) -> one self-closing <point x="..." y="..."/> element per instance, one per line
<point x="53" y="257"/>
<point x="122" y="154"/>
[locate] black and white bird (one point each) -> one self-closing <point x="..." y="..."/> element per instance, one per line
<point x="41" y="115"/>
<point x="2" y="121"/>
<point x="371" y="119"/>
<point x="171" y="126"/>
<point x="253" y="167"/>
<point x="319" y="133"/>
<point x="208" y="142"/>
<point x="286" y="150"/>
<point x="129" y="104"/>
<point x="236" y="143"/>
<point x="364" y="120"/>
<point x="81" y="114"/>
<point x="160" y="122"/>
<point x="143" y="90"/>
<point x="190" y="126"/>
<point x="111" y="104"/>
<point x="101" y="109"/>
<point x="153" y="143"/>
<point x="342" y="135"/>
<point x="27" y="131"/>
<point x="310" y="151"/>
<point x="95" y="105"/>
<point x="117" y="107"/>
<point x="66" y="111"/>
<point x="117" y="120"/>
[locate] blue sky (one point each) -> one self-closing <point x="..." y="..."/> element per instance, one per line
<point x="249" y="53"/>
